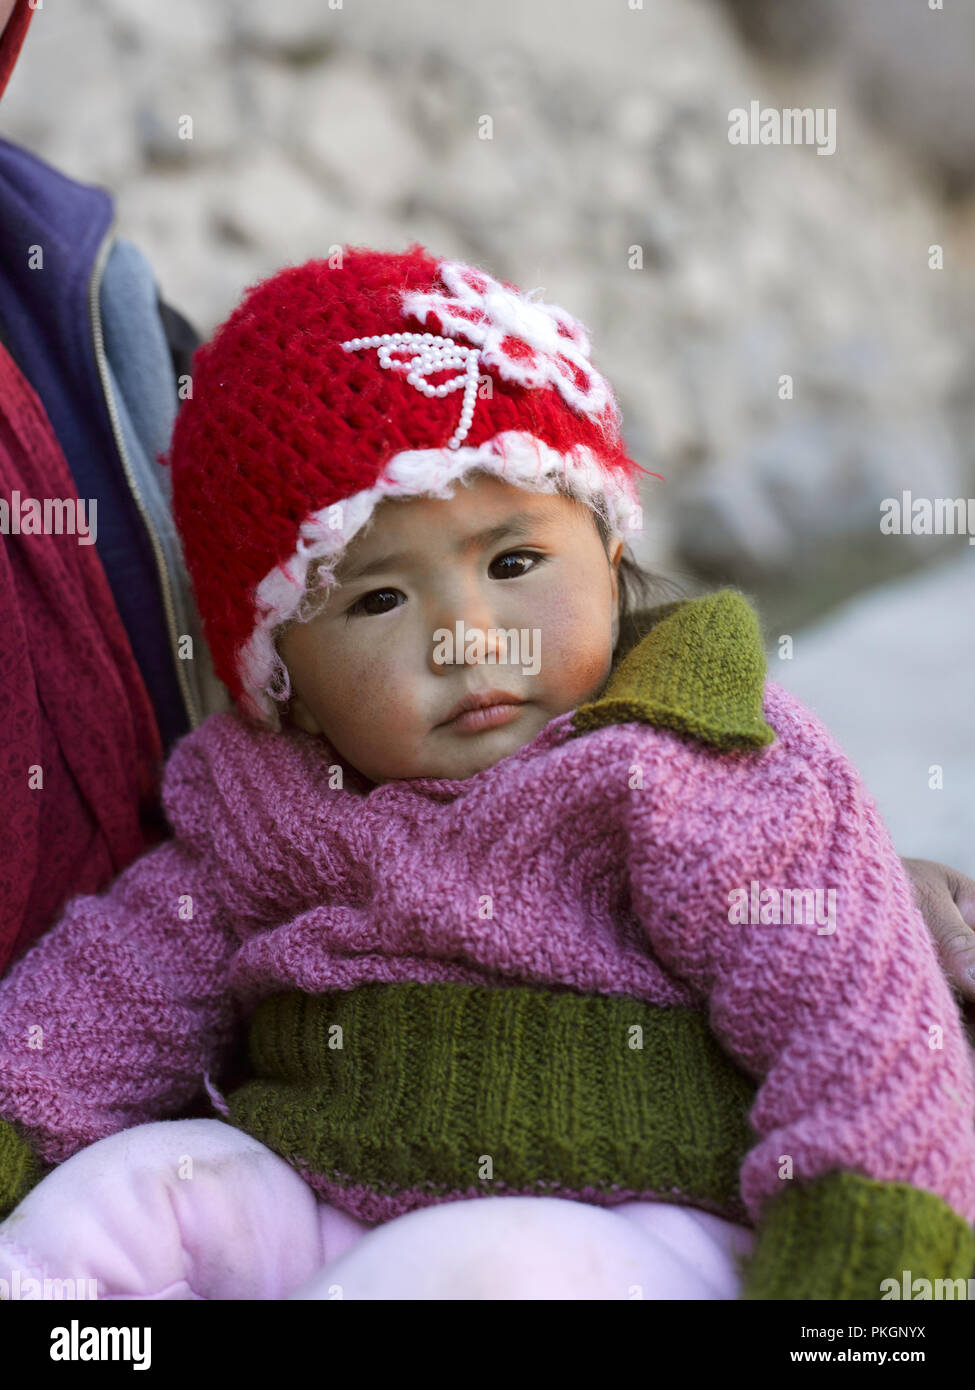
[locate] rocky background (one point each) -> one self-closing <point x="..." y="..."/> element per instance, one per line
<point x="322" y="122"/>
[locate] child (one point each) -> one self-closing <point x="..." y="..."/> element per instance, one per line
<point x="625" y="948"/>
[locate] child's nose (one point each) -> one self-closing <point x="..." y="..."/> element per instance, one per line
<point x="464" y="630"/>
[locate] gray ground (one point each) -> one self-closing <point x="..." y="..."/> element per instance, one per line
<point x="892" y="675"/>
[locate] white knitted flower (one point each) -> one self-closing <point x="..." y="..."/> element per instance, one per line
<point x="531" y="344"/>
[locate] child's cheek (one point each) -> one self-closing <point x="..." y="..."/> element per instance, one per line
<point x="373" y="687"/>
<point x="575" y="654"/>
<point x="587" y="674"/>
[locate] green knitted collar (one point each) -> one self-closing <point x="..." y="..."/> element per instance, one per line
<point x="699" y="671"/>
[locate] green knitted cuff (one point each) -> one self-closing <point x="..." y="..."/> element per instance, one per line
<point x="19" y="1169"/>
<point x="843" y="1235"/>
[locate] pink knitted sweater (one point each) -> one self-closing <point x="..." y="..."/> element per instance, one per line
<point x="626" y="860"/>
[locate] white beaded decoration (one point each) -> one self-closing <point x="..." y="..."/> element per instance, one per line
<point x="434" y="354"/>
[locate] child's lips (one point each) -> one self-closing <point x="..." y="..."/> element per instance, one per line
<point x="483" y="710"/>
<point x="487" y="717"/>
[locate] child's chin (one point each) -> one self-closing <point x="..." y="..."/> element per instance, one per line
<point x="483" y="750"/>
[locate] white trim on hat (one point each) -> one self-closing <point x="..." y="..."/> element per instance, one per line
<point x="514" y="456"/>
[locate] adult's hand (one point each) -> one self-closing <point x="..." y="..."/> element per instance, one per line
<point x="947" y="902"/>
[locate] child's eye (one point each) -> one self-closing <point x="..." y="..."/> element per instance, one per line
<point x="518" y="556"/>
<point x="363" y="604"/>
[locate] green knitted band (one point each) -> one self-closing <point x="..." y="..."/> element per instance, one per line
<point x="453" y="1087"/>
<point x="700" y="671"/>
<point x="842" y="1235"/>
<point x="19" y="1169"/>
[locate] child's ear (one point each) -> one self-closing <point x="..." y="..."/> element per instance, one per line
<point x="295" y="711"/>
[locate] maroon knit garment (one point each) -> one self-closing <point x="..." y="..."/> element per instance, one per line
<point x="72" y="700"/>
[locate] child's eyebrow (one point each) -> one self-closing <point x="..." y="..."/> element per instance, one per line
<point x="519" y="524"/>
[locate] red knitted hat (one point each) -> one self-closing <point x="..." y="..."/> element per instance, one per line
<point x="332" y="387"/>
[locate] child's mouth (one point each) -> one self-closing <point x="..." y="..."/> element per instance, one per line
<point x="489" y="717"/>
<point x="486" y="710"/>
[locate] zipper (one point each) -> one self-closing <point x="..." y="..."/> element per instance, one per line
<point x="101" y="360"/>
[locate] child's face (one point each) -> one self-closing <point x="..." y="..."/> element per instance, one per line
<point x="369" y="671"/>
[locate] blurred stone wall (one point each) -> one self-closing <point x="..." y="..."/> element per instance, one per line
<point x="705" y="271"/>
<point x="907" y="65"/>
